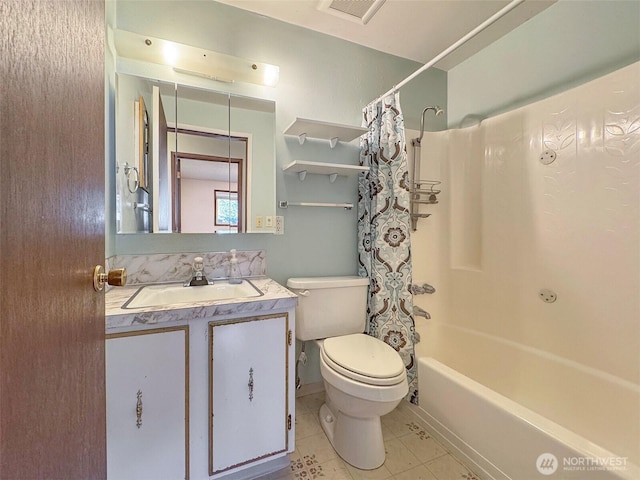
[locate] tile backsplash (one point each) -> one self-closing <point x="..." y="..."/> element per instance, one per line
<point x="177" y="267"/>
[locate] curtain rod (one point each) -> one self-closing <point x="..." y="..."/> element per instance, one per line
<point x="451" y="48"/>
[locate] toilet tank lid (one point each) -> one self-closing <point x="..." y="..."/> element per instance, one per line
<point x="326" y="282"/>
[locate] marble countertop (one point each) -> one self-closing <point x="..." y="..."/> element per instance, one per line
<point x="275" y="297"/>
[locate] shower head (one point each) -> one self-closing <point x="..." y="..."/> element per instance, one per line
<point x="437" y="110"/>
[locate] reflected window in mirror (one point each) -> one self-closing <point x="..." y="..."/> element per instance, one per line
<point x="226" y="209"/>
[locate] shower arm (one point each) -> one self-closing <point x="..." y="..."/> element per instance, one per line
<point x="416" y="142"/>
<point x="437" y="110"/>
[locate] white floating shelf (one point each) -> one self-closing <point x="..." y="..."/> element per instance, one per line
<point x="302" y="167"/>
<point x="334" y="132"/>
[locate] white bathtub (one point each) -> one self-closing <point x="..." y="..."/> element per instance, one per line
<point x="501" y="439"/>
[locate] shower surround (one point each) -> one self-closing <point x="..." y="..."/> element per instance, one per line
<point x="545" y="197"/>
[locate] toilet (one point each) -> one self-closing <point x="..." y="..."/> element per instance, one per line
<point x="364" y="378"/>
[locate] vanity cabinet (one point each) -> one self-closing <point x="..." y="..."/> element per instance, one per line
<point x="216" y="382"/>
<point x="147" y="388"/>
<point x="249" y="383"/>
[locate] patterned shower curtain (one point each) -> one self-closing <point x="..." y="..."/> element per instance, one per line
<point x="384" y="246"/>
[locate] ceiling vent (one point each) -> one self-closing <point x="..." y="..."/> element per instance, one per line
<point x="360" y="11"/>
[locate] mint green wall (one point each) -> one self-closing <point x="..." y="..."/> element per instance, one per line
<point x="567" y="44"/>
<point x="328" y="79"/>
<point x="321" y="77"/>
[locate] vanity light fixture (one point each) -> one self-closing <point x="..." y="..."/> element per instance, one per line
<point x="203" y="75"/>
<point x="170" y="53"/>
<point x="193" y="60"/>
<point x="271" y="75"/>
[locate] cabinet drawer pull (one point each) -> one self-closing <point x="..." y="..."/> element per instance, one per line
<point x="250" y="384"/>
<point x="139" y="409"/>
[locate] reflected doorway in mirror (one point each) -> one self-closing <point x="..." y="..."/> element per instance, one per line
<point x="195" y="178"/>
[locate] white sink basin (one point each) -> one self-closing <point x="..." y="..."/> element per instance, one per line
<point x="158" y="295"/>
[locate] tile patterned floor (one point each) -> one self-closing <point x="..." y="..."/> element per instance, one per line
<point x="411" y="453"/>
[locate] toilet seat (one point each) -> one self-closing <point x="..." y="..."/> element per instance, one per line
<point x="363" y="358"/>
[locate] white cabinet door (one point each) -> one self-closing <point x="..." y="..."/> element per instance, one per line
<point x="147" y="408"/>
<point x="249" y="390"/>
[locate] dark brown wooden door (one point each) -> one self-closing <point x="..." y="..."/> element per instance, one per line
<point x="52" y="399"/>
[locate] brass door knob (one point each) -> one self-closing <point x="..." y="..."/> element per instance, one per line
<point x="116" y="277"/>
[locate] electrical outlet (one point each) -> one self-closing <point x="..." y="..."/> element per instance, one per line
<point x="259" y="221"/>
<point x="268" y="221"/>
<point x="279" y="225"/>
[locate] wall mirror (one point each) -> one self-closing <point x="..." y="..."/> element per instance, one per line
<point x="190" y="160"/>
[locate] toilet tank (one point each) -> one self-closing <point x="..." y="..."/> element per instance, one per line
<point x="329" y="306"/>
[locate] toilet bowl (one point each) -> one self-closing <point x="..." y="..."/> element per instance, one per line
<point x="364" y="378"/>
<point x="355" y="402"/>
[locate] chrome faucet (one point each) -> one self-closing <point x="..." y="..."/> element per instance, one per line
<point x="198" y="278"/>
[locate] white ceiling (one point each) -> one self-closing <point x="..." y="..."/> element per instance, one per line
<point x="413" y="29"/>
